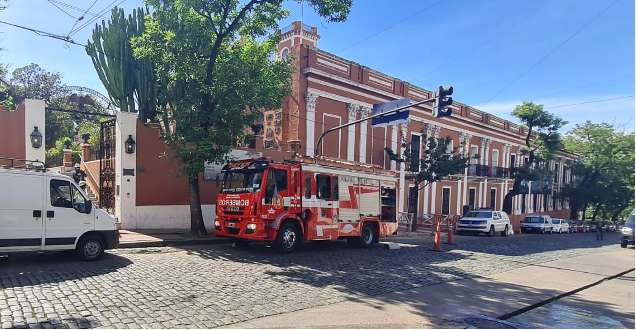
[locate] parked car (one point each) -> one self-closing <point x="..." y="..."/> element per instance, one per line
<point x="537" y="223"/>
<point x="627" y="233"/>
<point x="572" y="225"/>
<point x="560" y="226"/>
<point x="611" y="226"/>
<point x="484" y="221"/>
<point x="582" y="227"/>
<point x="41" y="211"/>
<point x="592" y="226"/>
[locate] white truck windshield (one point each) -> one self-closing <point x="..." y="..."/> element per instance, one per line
<point x="242" y="181"/>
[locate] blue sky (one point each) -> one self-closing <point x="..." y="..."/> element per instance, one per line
<point x="496" y="53"/>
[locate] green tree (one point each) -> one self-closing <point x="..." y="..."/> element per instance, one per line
<point x="129" y="81"/>
<point x="541" y="141"/>
<point x="432" y="162"/>
<point x="604" y="171"/>
<point x="214" y="77"/>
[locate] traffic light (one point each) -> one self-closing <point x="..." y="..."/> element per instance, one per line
<point x="442" y="100"/>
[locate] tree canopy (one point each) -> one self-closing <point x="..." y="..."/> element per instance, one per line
<point x="604" y="170"/>
<point x="541" y="141"/>
<point x="215" y="75"/>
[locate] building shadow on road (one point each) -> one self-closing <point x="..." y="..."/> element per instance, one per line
<point x="53" y="267"/>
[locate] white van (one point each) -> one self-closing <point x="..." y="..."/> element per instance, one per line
<point x="484" y="221"/>
<point x="42" y="211"/>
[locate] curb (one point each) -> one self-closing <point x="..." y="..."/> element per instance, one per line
<point x="172" y="242"/>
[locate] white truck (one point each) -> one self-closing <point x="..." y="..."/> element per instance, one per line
<point x="41" y="211"/>
<point x="484" y="220"/>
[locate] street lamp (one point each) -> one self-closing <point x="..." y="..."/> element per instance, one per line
<point x="36" y="138"/>
<point x="130" y="145"/>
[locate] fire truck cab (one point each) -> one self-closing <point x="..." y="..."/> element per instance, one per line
<point x="305" y="200"/>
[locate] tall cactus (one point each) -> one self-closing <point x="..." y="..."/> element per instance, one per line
<point x="128" y="81"/>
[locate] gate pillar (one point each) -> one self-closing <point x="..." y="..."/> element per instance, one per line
<point x="34" y="116"/>
<point x="126" y="172"/>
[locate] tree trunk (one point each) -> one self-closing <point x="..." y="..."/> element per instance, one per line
<point x="413" y="205"/>
<point x="597" y="208"/>
<point x="615" y="215"/>
<point x="574" y="211"/>
<point x="584" y="211"/>
<point x="197" y="227"/>
<point x="507" y="204"/>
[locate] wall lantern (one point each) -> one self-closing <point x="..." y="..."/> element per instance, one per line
<point x="36" y="138"/>
<point x="130" y="145"/>
<point x="67" y="144"/>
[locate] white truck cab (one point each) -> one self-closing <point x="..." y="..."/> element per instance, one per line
<point x="42" y="211"/>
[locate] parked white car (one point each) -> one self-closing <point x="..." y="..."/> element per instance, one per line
<point x="42" y="211"/>
<point x="561" y="226"/>
<point x="537" y="223"/>
<point x="484" y="221"/>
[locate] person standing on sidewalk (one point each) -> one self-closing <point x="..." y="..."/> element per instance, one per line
<point x="599" y="228"/>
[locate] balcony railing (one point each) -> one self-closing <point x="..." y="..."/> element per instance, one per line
<point x="478" y="170"/>
<point x="499" y="172"/>
<point x="488" y="171"/>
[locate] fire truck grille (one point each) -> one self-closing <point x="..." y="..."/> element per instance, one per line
<point x="234" y="210"/>
<point x="234" y="231"/>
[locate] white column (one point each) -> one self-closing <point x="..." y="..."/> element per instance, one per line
<point x="353" y="110"/>
<point x="425" y="199"/>
<point x="433" y="195"/>
<point x="459" y="196"/>
<point x="402" y="174"/>
<point x="394" y="143"/>
<point x="310" y="122"/>
<point x="34" y="116"/>
<point x="465" y="138"/>
<point x="126" y="186"/>
<point x="364" y="140"/>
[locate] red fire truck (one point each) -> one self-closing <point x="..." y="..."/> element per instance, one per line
<point x="305" y="200"/>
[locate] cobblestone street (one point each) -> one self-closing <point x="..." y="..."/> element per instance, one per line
<point x="215" y="285"/>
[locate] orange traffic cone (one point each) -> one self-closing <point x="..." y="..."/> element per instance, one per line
<point x="449" y="238"/>
<point x="520" y="232"/>
<point x="437" y="246"/>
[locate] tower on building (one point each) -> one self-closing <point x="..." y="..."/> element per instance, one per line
<point x="297" y="33"/>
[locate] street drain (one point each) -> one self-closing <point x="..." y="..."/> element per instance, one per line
<point x="487" y="323"/>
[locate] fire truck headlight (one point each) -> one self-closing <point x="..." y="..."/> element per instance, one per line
<point x="217" y="223"/>
<point x="251" y="226"/>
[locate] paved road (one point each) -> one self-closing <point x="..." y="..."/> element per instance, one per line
<point x="216" y="285"/>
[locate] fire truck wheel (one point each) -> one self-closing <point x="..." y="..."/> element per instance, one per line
<point x="288" y="238"/>
<point x="368" y="236"/>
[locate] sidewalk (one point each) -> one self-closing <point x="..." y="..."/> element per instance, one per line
<point x="476" y="302"/>
<point x="140" y="238"/>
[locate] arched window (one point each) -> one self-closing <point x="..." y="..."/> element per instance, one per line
<point x="284" y="54"/>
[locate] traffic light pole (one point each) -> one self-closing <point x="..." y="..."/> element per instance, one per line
<point x="365" y="119"/>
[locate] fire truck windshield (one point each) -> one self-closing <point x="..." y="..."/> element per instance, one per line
<point x="242" y="181"/>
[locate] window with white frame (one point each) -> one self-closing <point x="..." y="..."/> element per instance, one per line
<point x="474" y="150"/>
<point x="495" y="158"/>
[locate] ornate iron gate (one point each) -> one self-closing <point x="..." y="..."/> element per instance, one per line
<point x="107" y="144"/>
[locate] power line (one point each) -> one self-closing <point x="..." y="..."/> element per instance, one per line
<point x="483" y="43"/>
<point x="586" y="86"/>
<point x="69" y="6"/>
<point x="81" y="17"/>
<point x="595" y="101"/>
<point x="56" y="6"/>
<point x="390" y="27"/>
<point x="552" y="52"/>
<point x="101" y="14"/>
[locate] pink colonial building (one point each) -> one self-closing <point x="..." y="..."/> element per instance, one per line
<point x="328" y="91"/>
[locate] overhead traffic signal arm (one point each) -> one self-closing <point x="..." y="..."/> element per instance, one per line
<point x="443" y="99"/>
